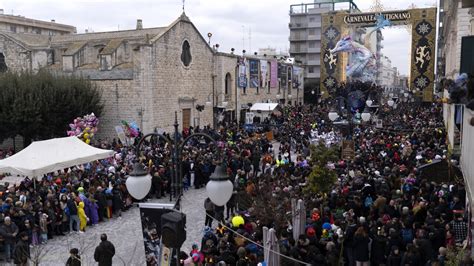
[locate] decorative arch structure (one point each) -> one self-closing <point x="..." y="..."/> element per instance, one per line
<point x="423" y="22"/>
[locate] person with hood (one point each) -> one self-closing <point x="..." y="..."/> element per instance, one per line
<point x="82" y="217"/>
<point x="85" y="199"/>
<point x="394" y="259"/>
<point x="94" y="212"/>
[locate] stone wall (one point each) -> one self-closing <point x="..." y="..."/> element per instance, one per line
<point x="175" y="86"/>
<point x="17" y="57"/>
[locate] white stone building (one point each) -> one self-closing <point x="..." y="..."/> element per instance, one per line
<point x="146" y="75"/>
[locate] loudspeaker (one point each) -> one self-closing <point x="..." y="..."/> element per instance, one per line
<point x="467" y="55"/>
<point x="173" y="233"/>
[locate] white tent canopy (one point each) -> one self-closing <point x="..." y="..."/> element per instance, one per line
<point x="42" y="157"/>
<point x="264" y="107"/>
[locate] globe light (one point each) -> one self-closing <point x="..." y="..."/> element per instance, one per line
<point x="289" y="96"/>
<point x="219" y="188"/>
<point x="390" y="102"/>
<point x="333" y="115"/>
<point x="313" y="92"/>
<point x="138" y="182"/>
<point x="366" y="115"/>
<point x="405" y="94"/>
<point x="369" y="102"/>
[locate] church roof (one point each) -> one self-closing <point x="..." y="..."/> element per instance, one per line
<point x="123" y="34"/>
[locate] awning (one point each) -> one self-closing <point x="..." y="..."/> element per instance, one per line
<point x="42" y="157"/>
<point x="264" y="107"/>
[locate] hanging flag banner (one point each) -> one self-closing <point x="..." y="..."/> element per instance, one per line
<point x="298" y="78"/>
<point x="273" y="74"/>
<point x="253" y="73"/>
<point x="282" y="75"/>
<point x="263" y="73"/>
<point x="150" y="214"/>
<point x="242" y="73"/>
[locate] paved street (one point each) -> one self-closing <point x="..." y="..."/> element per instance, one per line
<point x="125" y="234"/>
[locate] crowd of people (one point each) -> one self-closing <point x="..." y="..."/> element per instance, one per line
<point x="379" y="210"/>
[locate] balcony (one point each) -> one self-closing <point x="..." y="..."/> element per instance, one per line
<point x="298" y="50"/>
<point x="296" y="38"/>
<point x="316" y="49"/>
<point x="297" y="25"/>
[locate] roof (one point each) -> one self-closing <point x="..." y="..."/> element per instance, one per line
<point x="123" y="34"/>
<point x="74" y="47"/>
<point x="263" y="107"/>
<point x="111" y="46"/>
<point x="29" y="39"/>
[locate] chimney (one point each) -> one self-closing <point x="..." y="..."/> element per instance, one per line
<point x="53" y="20"/>
<point x="139" y="24"/>
<point x="1" y="11"/>
<point x="86" y="31"/>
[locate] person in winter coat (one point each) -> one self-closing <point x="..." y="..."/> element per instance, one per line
<point x="361" y="247"/>
<point x="394" y="259"/>
<point x="99" y="196"/>
<point x="8" y="231"/>
<point x="21" y="254"/>
<point x="82" y="217"/>
<point x="104" y="252"/>
<point x="117" y="201"/>
<point x="74" y="258"/>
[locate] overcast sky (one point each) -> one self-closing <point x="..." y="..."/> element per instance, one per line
<point x="229" y="21"/>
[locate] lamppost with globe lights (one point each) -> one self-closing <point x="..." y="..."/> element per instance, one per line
<point x="139" y="181"/>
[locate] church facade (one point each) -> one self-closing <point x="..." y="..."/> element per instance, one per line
<point x="146" y="75"/>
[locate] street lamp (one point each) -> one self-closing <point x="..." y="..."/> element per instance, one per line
<point x="390" y="102"/>
<point x="219" y="188"/>
<point x="369" y="102"/>
<point x="366" y="114"/>
<point x="138" y="182"/>
<point x="333" y="115"/>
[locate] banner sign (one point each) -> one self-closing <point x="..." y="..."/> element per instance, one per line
<point x="298" y="78"/>
<point x="282" y="74"/>
<point x="371" y="18"/>
<point x="273" y="74"/>
<point x="263" y="73"/>
<point x="150" y="214"/>
<point x="242" y="73"/>
<point x="253" y="71"/>
<point x="121" y="135"/>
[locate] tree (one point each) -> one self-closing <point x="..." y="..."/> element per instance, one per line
<point x="321" y="179"/>
<point x="41" y="106"/>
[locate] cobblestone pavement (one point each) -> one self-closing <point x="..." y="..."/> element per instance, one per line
<point x="125" y="233"/>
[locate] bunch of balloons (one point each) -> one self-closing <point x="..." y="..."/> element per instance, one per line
<point x="84" y="127"/>
<point x="131" y="129"/>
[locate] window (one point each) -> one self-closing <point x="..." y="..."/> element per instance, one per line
<point x="228" y="82"/>
<point x="312" y="31"/>
<point x="312" y="44"/>
<point x="186" y="57"/>
<point x="312" y="57"/>
<point x="3" y="65"/>
<point x="312" y="19"/>
<point x="310" y="69"/>
<point x="13" y="28"/>
<point x="36" y="30"/>
<point x="50" y="57"/>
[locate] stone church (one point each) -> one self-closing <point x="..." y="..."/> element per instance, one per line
<point x="145" y="75"/>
